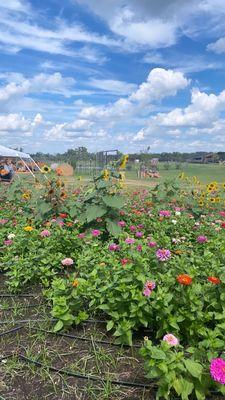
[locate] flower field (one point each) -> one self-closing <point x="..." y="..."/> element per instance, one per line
<point x="147" y="266"/>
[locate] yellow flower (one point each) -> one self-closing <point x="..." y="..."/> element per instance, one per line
<point x="212" y="200"/>
<point x="26" y="196"/>
<point x="124" y="162"/>
<point x="106" y="174"/>
<point x="217" y="200"/>
<point x="223" y="185"/>
<point x="75" y="283"/>
<point x="182" y="175"/>
<point x="201" y="203"/>
<point x="28" y="228"/>
<point x="45" y="169"/>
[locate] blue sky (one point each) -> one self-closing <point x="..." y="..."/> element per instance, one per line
<point x="123" y="74"/>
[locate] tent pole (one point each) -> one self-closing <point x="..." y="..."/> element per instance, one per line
<point x="27" y="167"/>
<point x="38" y="167"/>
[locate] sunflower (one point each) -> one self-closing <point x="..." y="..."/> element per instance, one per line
<point x="201" y="203"/>
<point x="45" y="169"/>
<point x="63" y="195"/>
<point x="28" y="228"/>
<point x="212" y="200"/>
<point x="217" y="199"/>
<point x="123" y="162"/>
<point x="106" y="174"/>
<point x="223" y="185"/>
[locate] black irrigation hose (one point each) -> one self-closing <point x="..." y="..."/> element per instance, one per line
<point x="86" y="339"/>
<point x="11" y="330"/>
<point x="86" y="377"/>
<point x="25" y="321"/>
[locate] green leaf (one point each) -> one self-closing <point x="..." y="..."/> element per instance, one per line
<point x="113" y="228"/>
<point x="109" y="325"/>
<point x="187" y="388"/>
<point x="94" y="212"/>
<point x="194" y="368"/>
<point x="113" y="201"/>
<point x="158" y="354"/>
<point x="58" y="326"/>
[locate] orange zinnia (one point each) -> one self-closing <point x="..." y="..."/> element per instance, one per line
<point x="184" y="279"/>
<point x="75" y="283"/>
<point x="214" y="280"/>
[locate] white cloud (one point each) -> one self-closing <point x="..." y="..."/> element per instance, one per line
<point x="203" y="110"/>
<point x="12" y="124"/>
<point x="41" y="83"/>
<point x="112" y="86"/>
<point x="218" y="46"/>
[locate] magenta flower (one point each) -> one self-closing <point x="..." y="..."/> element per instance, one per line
<point x="139" y="234"/>
<point x="217" y="370"/>
<point x="222" y="213"/>
<point x="60" y="223"/>
<point x="202" y="239"/>
<point x="96" y="232"/>
<point x="132" y="228"/>
<point x="171" y="339"/>
<point x="8" y="242"/>
<point x="45" y="233"/>
<point x="122" y="224"/>
<point x="163" y="254"/>
<point x="67" y="262"/>
<point x="151" y="244"/>
<point x="130" y="241"/>
<point x="139" y="247"/>
<point x="148" y="288"/>
<point x="140" y="226"/>
<point x="164" y="213"/>
<point x="81" y="235"/>
<point x="114" y="247"/>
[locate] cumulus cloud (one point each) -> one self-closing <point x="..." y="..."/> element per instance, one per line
<point x="41" y="83"/>
<point x="17" y="123"/>
<point x="203" y="109"/>
<point x="218" y="46"/>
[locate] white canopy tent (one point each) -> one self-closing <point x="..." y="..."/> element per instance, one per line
<point x="6" y="152"/>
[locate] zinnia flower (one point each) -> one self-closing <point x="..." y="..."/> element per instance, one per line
<point x="164" y="213"/>
<point x="217" y="370"/>
<point x="122" y="223"/>
<point x="114" y="247"/>
<point x="202" y="239"/>
<point x="139" y="247"/>
<point x="124" y="261"/>
<point x="28" y="228"/>
<point x="148" y="288"/>
<point x="96" y="232"/>
<point x="81" y="235"/>
<point x="171" y="339"/>
<point x="75" y="283"/>
<point x="11" y="236"/>
<point x="3" y="221"/>
<point x="132" y="228"/>
<point x="67" y="262"/>
<point x="152" y="244"/>
<point x="163" y="254"/>
<point x="130" y="241"/>
<point x="139" y="234"/>
<point x="8" y="242"/>
<point x="214" y="280"/>
<point x="45" y="233"/>
<point x="184" y="279"/>
<point x="63" y="215"/>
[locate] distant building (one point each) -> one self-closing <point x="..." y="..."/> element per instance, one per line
<point x="205" y="158"/>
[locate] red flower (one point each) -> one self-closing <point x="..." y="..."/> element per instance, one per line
<point x="214" y="280"/>
<point x="124" y="261"/>
<point x="184" y="279"/>
<point x="223" y="225"/>
<point x="63" y="215"/>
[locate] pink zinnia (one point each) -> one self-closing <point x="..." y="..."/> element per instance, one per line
<point x="67" y="262"/>
<point x="81" y="235"/>
<point x="114" y="247"/>
<point x="171" y="339"/>
<point x="124" y="261"/>
<point x="139" y="247"/>
<point x="130" y="241"/>
<point x="122" y="224"/>
<point x="202" y="239"/>
<point x="45" y="233"/>
<point x="151" y="244"/>
<point x="164" y="213"/>
<point x="217" y="370"/>
<point x="8" y="242"/>
<point x="163" y="254"/>
<point x="96" y="232"/>
<point x="139" y="234"/>
<point x="222" y="213"/>
<point x="132" y="228"/>
<point x="148" y="288"/>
